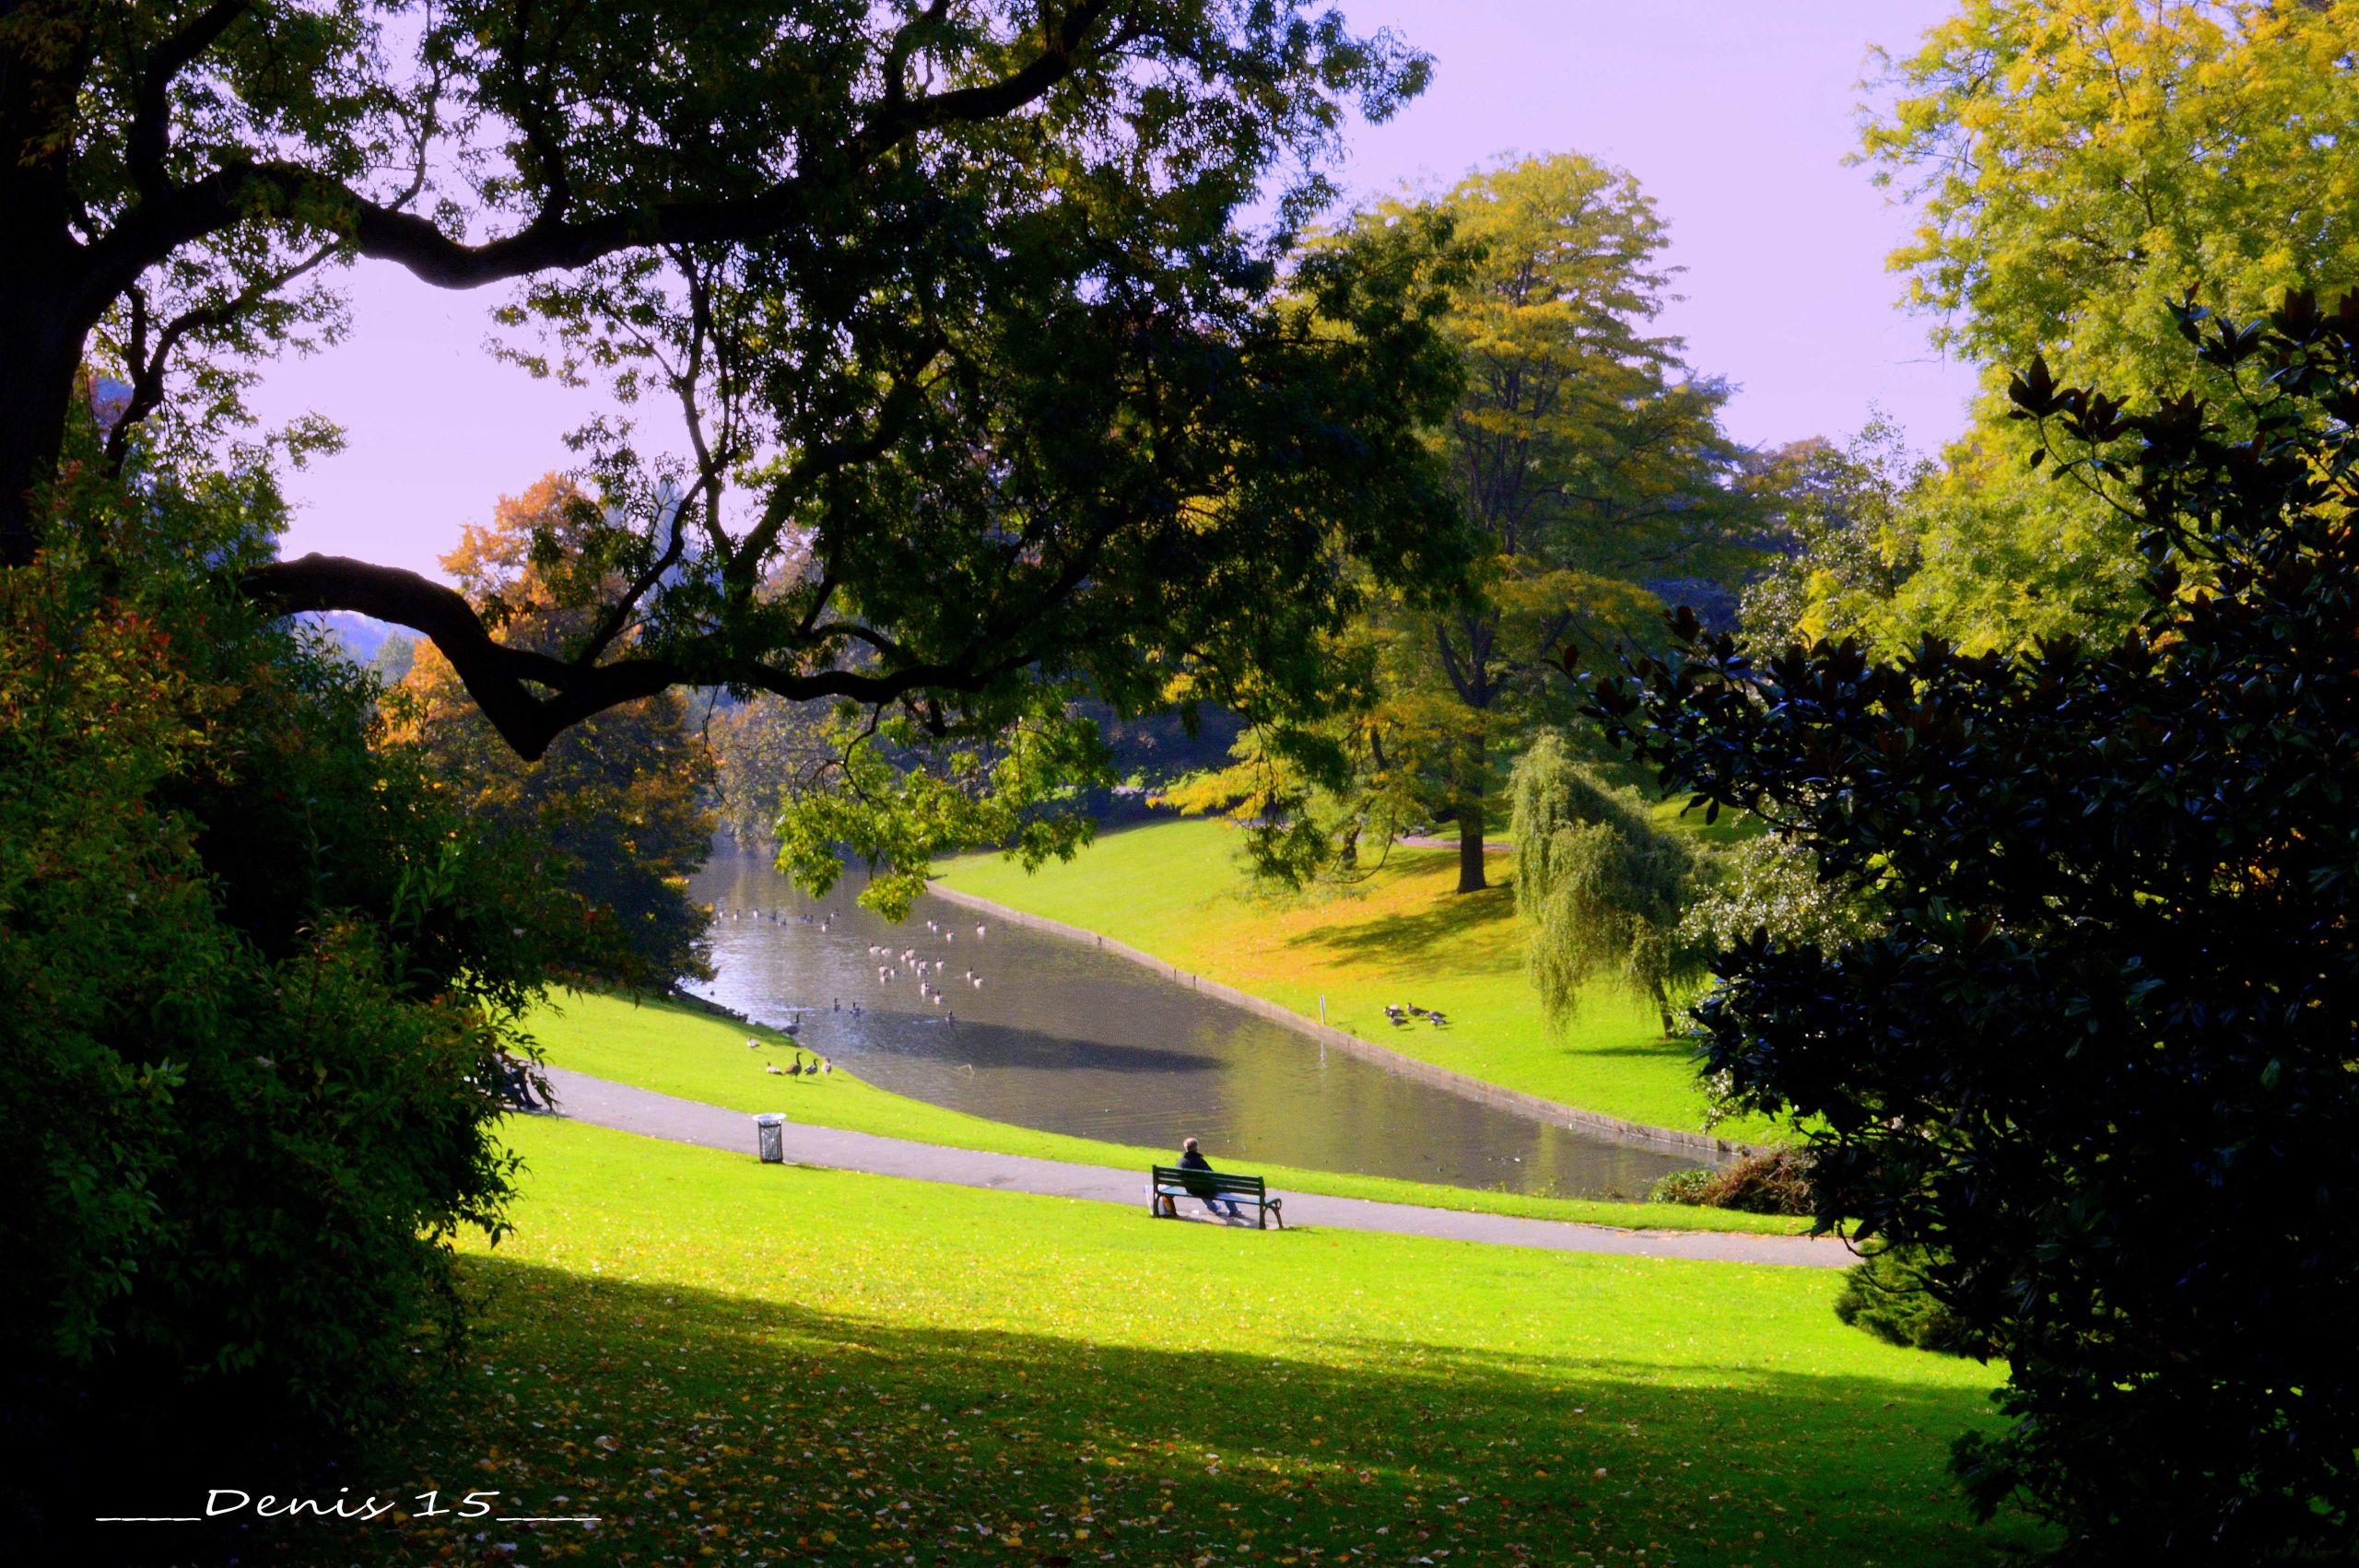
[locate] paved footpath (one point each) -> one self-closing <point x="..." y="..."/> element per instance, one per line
<point x="604" y="1103"/>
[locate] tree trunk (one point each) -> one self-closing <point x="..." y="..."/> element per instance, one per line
<point x="1470" y="820"/>
<point x="40" y="358"/>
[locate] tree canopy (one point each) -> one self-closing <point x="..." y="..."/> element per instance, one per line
<point x="616" y="802"/>
<point x="1600" y="890"/>
<point x="2081" y="164"/>
<point x="989" y="386"/>
<point x="2093" y="1064"/>
<point x="1586" y="458"/>
<point x="2078" y="167"/>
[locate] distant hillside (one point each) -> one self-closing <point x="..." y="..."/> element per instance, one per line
<point x="362" y="636"/>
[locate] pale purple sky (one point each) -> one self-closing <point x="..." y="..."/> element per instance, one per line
<point x="1734" y="114"/>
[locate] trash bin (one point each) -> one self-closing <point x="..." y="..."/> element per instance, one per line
<point x="770" y="1137"/>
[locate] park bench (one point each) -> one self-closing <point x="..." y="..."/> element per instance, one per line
<point x="1174" y="1182"/>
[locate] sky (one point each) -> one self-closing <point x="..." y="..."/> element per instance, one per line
<point x="1736" y="115"/>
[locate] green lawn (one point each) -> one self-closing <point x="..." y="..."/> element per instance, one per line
<point x="731" y="1363"/>
<point x="1177" y="891"/>
<point x="678" y="1050"/>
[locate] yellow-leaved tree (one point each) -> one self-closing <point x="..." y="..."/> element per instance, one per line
<point x="2080" y="166"/>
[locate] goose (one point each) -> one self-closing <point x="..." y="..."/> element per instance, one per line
<point x="979" y="930"/>
<point x="775" y="1068"/>
<point x="753" y="1045"/>
<point x="827" y="1066"/>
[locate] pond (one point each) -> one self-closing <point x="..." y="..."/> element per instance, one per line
<point x="1063" y="1037"/>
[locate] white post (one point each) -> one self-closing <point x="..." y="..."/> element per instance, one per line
<point x="1323" y="1009"/>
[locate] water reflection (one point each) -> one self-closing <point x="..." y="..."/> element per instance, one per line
<point x="1065" y="1038"/>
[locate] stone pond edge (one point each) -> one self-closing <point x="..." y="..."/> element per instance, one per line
<point x="1514" y="1100"/>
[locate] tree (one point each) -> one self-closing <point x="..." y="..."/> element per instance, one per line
<point x="989" y="388"/>
<point x="2092" y="1072"/>
<point x="1598" y="889"/>
<point x="758" y="747"/>
<point x="2079" y="165"/>
<point x="618" y="802"/>
<point x="1587" y="460"/>
<point x="258" y="975"/>
<point x="1842" y="556"/>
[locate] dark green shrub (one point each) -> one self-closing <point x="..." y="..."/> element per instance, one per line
<point x="1777" y="1182"/>
<point x="1888" y="1293"/>
<point x="2096" y="1060"/>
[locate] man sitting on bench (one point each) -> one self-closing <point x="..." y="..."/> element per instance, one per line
<point x="1191" y="1159"/>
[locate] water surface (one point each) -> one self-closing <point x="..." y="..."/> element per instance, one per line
<point x="1064" y="1037"/>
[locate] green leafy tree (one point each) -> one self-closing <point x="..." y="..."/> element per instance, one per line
<point x="618" y="803"/>
<point x="1588" y="460"/>
<point x="1599" y="888"/>
<point x="1843" y="553"/>
<point x="990" y="390"/>
<point x="2080" y="166"/>
<point x="2088" y="1076"/>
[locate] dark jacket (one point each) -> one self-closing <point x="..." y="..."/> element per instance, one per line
<point x="1193" y="1161"/>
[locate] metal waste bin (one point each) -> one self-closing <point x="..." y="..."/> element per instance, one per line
<point x="770" y="1137"/>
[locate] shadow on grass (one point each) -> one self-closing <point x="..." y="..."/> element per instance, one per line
<point x="1438" y="933"/>
<point x="689" y="1419"/>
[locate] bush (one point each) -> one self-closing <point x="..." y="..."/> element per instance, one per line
<point x="1682" y="1186"/>
<point x="1888" y="1294"/>
<point x="256" y="970"/>
<point x="1777" y="1182"/>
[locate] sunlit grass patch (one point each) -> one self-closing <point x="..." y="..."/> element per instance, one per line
<point x="726" y="1360"/>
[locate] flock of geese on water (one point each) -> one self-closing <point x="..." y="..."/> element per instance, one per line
<point x="888" y="972"/>
<point x="921" y="966"/>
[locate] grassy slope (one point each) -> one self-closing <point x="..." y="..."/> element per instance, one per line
<point x="1176" y="890"/>
<point x="678" y="1050"/>
<point x="732" y="1363"/>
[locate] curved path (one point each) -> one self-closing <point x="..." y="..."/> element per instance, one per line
<point x="603" y="1102"/>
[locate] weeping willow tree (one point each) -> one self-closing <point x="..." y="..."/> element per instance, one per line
<point x="1599" y="888"/>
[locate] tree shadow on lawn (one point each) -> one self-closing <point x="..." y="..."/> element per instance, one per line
<point x="690" y="1419"/>
<point x="1441" y="930"/>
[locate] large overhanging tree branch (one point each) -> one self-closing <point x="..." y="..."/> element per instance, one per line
<point x="986" y="387"/>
